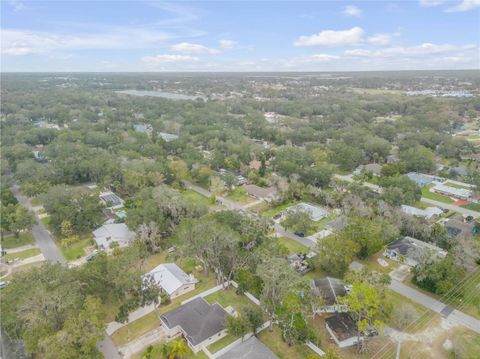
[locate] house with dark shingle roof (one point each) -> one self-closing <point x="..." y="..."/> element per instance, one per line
<point x="200" y="323"/>
<point x="411" y="251"/>
<point x="330" y="289"/>
<point x="342" y="329"/>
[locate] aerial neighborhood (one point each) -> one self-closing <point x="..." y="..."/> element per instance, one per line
<point x="240" y="216"/>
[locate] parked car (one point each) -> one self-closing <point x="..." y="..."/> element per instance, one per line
<point x="3" y="284"/>
<point x="91" y="255"/>
<point x="300" y="234"/>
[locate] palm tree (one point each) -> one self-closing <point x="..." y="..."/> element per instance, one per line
<point x="178" y="349"/>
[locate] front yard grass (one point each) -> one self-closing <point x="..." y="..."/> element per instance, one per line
<point x="23" y="254"/>
<point x="222" y="343"/>
<point x="292" y="246"/>
<point x="196" y="198"/>
<point x="23" y="239"/>
<point x="435" y="196"/>
<point x="273" y="340"/>
<point x="278" y="209"/>
<point x="472" y="206"/>
<point x="239" y="195"/>
<point x="76" y="250"/>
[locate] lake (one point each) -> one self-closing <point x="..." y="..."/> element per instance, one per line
<point x="169" y="95"/>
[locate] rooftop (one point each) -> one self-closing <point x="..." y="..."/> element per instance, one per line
<point x="413" y="248"/>
<point x="111" y="199"/>
<point x="198" y="320"/>
<point x="342" y="325"/>
<point x="260" y="192"/>
<point x="251" y="348"/>
<point x="454" y="191"/>
<point x="428" y="212"/>
<point x="329" y="288"/>
<point x="316" y="213"/>
<point x="170" y="277"/>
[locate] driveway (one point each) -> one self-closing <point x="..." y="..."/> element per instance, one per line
<point x="452" y="207"/>
<point x="137" y="345"/>
<point x="42" y="236"/>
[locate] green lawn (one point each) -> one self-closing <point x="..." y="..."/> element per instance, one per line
<point x="435" y="196"/>
<point x="189" y="354"/>
<point x="45" y="221"/>
<point x="22" y="240"/>
<point x="292" y="246"/>
<point x="150" y="321"/>
<point x="228" y="298"/>
<point x="23" y="254"/>
<point x="276" y="210"/>
<point x="76" y="250"/>
<point x="239" y="195"/>
<point x="222" y="343"/>
<point x="472" y="206"/>
<point x="422" y="205"/>
<point x="35" y="202"/>
<point x="273" y="340"/>
<point x="196" y="198"/>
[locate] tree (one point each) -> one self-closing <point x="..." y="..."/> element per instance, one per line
<point x="278" y="280"/>
<point x="79" y="336"/>
<point x="23" y="220"/>
<point x="298" y="220"/>
<point x="253" y="316"/>
<point x="237" y="326"/>
<point x="176" y="349"/>
<point x="365" y="306"/>
<point x="335" y="253"/>
<point x="150" y="236"/>
<point x="217" y="186"/>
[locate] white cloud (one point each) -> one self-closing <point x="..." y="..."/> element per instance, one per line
<point x="167" y="58"/>
<point x="380" y="39"/>
<point x="20" y="42"/>
<point x="228" y="44"/>
<point x="431" y="3"/>
<point x="324" y="57"/>
<point x="332" y="38"/>
<point x="465" y="5"/>
<point x="189" y="48"/>
<point x="352" y="11"/>
<point x="17" y="5"/>
<point x="411" y="51"/>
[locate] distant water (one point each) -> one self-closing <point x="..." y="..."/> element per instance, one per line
<point x="169" y="95"/>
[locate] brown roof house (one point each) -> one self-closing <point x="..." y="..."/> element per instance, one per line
<point x="200" y="323"/>
<point x="265" y="193"/>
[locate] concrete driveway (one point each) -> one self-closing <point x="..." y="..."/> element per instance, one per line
<point x="138" y="345"/>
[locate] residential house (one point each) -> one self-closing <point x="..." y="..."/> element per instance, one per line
<point x="342" y="329"/>
<point x="427" y="213"/>
<point x="265" y="193"/>
<point x="422" y="179"/>
<point x="374" y="168"/>
<point x="172" y="280"/>
<point x="200" y="323"/>
<point x="252" y="348"/>
<point x="111" y="200"/>
<point x="411" y="251"/>
<point x="168" y="137"/>
<point x="330" y="289"/>
<point x="459" y="226"/>
<point x="113" y="233"/>
<point x="143" y="128"/>
<point x="460" y="193"/>
<point x="316" y="213"/>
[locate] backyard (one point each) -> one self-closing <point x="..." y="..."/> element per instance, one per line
<point x="292" y="246"/>
<point x="273" y="340"/>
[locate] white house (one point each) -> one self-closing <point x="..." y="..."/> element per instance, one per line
<point x="172" y="280"/>
<point x="113" y="233"/>
<point x="461" y="193"/>
<point x="427" y="213"/>
<point x="315" y="213"/>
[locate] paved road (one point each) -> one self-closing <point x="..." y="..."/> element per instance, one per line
<point x="238" y="207"/>
<point x="436" y="306"/>
<point x="108" y="349"/>
<point x="42" y="236"/>
<point x="464" y="211"/>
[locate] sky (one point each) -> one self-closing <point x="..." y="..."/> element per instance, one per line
<point x="92" y="35"/>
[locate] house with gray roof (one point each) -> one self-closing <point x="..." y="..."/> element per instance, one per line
<point x="172" y="280"/>
<point x="315" y="213"/>
<point x="330" y="289"/>
<point x="251" y="348"/>
<point x="427" y="213"/>
<point x="420" y="179"/>
<point x="200" y="323"/>
<point x="264" y="193"/>
<point x="411" y="251"/>
<point x="111" y="200"/>
<point x="113" y="233"/>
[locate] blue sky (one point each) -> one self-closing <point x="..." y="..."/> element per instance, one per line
<point x="239" y="35"/>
